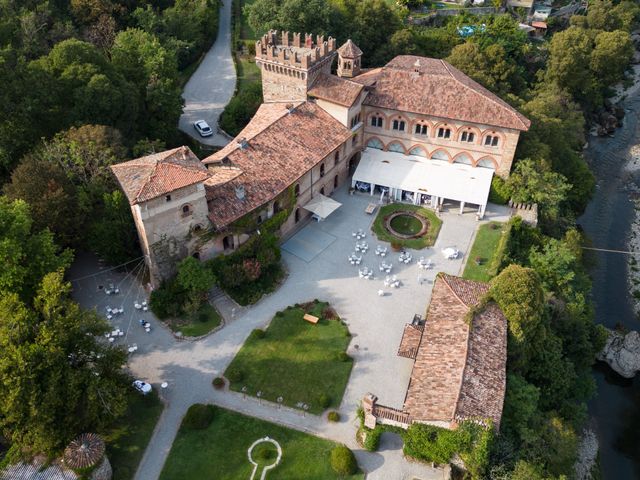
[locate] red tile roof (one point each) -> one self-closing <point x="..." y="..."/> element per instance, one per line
<point x="437" y="89"/>
<point x="335" y="89"/>
<point x="280" y="146"/>
<point x="460" y="370"/>
<point x="155" y="175"/>
<point x="349" y="50"/>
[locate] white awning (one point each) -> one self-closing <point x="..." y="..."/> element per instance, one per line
<point x="322" y="206"/>
<point x="453" y="181"/>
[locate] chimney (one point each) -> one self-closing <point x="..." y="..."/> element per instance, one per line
<point x="416" y="67"/>
<point x="240" y="192"/>
<point x="243" y="144"/>
<point x="290" y="107"/>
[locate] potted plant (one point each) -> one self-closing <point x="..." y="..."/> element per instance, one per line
<point x="396" y="246"/>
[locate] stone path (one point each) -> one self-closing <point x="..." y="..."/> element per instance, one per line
<point x="212" y="85"/>
<point x="375" y="322"/>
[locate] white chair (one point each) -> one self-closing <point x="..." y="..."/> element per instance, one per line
<point x="111" y="339"/>
<point x="109" y="317"/>
<point x="381" y="293"/>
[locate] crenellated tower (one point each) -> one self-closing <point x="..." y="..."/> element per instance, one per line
<point x="290" y="65"/>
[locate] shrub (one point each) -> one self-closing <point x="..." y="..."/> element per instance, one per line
<point x="500" y="192"/>
<point x="372" y="438"/>
<point x="218" y="383"/>
<point x="343" y="461"/>
<point x="198" y="417"/>
<point x="168" y="300"/>
<point x="252" y="269"/>
<point x="329" y="313"/>
<point x="343" y="357"/>
<point x="333" y="416"/>
<point x="257" y="334"/>
<point x="234" y="375"/>
<point x="324" y="400"/>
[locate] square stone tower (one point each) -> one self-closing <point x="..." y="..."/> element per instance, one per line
<point x="290" y="65"/>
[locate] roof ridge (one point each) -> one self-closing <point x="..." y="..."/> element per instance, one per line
<point x="492" y="98"/>
<point x="146" y="182"/>
<point x="444" y="278"/>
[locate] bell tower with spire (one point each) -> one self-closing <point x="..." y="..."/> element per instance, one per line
<point x="349" y="59"/>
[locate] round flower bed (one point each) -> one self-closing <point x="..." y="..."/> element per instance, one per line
<point x="405" y="224"/>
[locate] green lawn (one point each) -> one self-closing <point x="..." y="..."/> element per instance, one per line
<point x="220" y="451"/>
<point x="295" y="360"/>
<point x="484" y="248"/>
<point x="128" y="438"/>
<point x="426" y="240"/>
<point x="200" y="323"/>
<point x="247" y="71"/>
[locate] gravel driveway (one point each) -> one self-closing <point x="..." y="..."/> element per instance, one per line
<point x="212" y="85"/>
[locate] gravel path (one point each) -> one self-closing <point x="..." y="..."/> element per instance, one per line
<point x="212" y="85"/>
<point x="375" y="322"/>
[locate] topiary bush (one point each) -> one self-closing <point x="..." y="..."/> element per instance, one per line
<point x="324" y="400"/>
<point x="218" y="383"/>
<point x="333" y="416"/>
<point x="343" y="461"/>
<point x="198" y="417"/>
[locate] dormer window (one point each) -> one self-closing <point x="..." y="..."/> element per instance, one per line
<point x="420" y="129"/>
<point x="398" y="125"/>
<point x="444" y="132"/>
<point x="491" y="141"/>
<point x="467" y="137"/>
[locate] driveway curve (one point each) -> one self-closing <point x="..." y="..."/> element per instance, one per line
<point x="212" y="85"/>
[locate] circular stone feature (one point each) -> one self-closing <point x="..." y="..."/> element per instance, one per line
<point x="405" y="224"/>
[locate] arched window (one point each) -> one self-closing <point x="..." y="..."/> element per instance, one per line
<point x="375" y="143"/>
<point x="420" y="129"/>
<point x="335" y="182"/>
<point x="440" y="155"/>
<point x="395" y="147"/>
<point x="377" y="121"/>
<point x="444" y="132"/>
<point x="322" y="170"/>
<point x="336" y="157"/>
<point x="486" y="163"/>
<point x="418" y="151"/>
<point x="491" y="141"/>
<point x="296" y="190"/>
<point x="296" y="216"/>
<point x="227" y="242"/>
<point x="398" y="125"/>
<point x="463" y="158"/>
<point x="186" y="210"/>
<point x="467" y="136"/>
<point x="322" y="191"/>
<point x="276" y="207"/>
<point x="259" y="219"/>
<point x="197" y="228"/>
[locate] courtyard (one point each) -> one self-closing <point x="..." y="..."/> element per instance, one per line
<point x="317" y="261"/>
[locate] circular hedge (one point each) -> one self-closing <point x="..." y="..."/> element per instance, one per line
<point x="343" y="461"/>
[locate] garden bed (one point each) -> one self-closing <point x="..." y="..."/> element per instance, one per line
<point x="220" y="451"/>
<point x="407" y="225"/>
<point x="293" y="359"/>
<point x="197" y="324"/>
<point x="480" y="261"/>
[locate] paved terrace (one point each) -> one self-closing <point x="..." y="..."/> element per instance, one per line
<point x="375" y="322"/>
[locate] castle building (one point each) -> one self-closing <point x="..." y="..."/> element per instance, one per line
<point x="416" y="129"/>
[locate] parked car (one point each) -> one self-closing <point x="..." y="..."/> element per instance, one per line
<point x="142" y="387"/>
<point x="202" y="128"/>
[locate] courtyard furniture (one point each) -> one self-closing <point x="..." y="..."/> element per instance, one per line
<point x="450" y="253"/>
<point x="137" y="306"/>
<point x="404" y="257"/>
<point x="382" y="251"/>
<point x="370" y="208"/>
<point x="380" y="293"/>
<point x="425" y="264"/>
<point x="310" y="318"/>
<point x="362" y="247"/>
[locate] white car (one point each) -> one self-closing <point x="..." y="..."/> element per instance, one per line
<point x="203" y="128"/>
<point x="142" y="387"/>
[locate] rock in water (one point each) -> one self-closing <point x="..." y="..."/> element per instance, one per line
<point x="622" y="353"/>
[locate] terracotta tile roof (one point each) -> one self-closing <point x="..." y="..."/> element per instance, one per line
<point x="459" y="372"/>
<point x="410" y="342"/>
<point x="368" y="77"/>
<point x="155" y="175"/>
<point x="349" y="50"/>
<point x="440" y="90"/>
<point x="335" y="89"/>
<point x="280" y="147"/>
<point x="539" y="25"/>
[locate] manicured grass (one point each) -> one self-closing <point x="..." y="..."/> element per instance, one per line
<point x="220" y="451"/>
<point x="128" y="438"/>
<point x="484" y="248"/>
<point x="406" y="225"/>
<point x="426" y="240"/>
<point x="203" y="321"/>
<point x="296" y="360"/>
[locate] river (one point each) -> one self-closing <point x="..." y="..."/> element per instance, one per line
<point x="615" y="411"/>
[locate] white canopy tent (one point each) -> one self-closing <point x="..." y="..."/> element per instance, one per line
<point x="322" y="206"/>
<point x="421" y="176"/>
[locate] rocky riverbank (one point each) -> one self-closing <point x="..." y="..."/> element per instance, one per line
<point x="622" y="352"/>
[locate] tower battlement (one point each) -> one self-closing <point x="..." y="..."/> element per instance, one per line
<point x="283" y="49"/>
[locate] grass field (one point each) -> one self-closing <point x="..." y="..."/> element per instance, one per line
<point x="220" y="451"/>
<point x="483" y="249"/>
<point x="201" y="322"/>
<point x="128" y="438"/>
<point x="426" y="240"/>
<point x="295" y="360"/>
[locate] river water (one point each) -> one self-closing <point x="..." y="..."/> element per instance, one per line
<point x="615" y="411"/>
